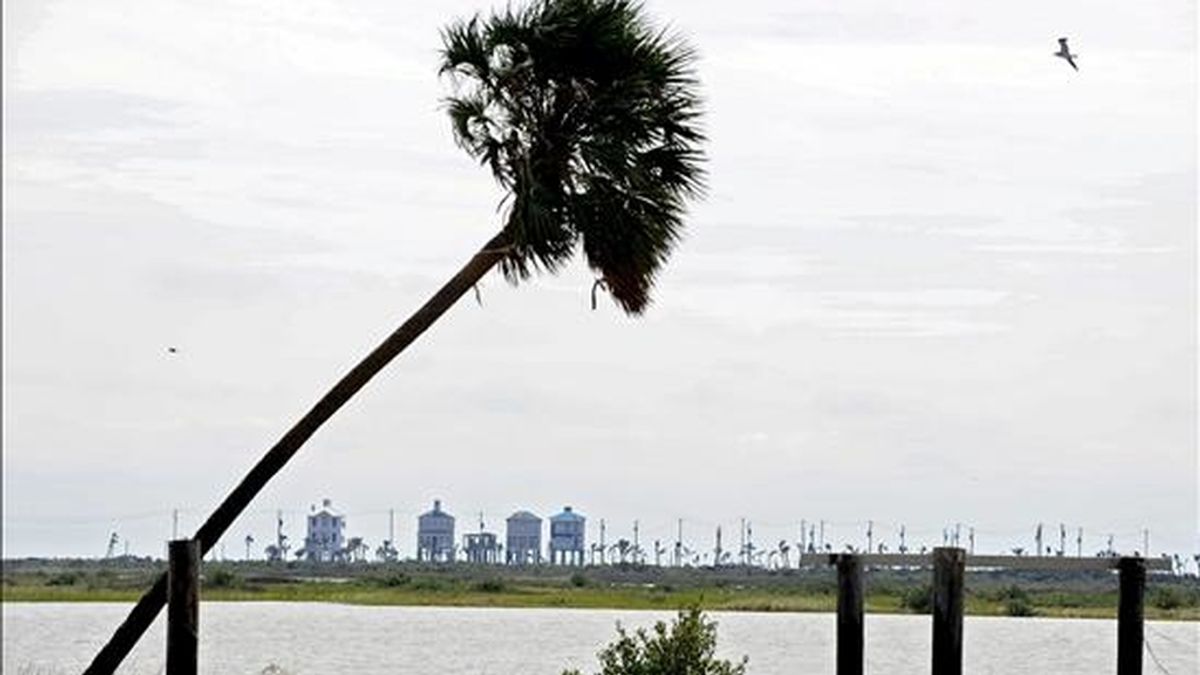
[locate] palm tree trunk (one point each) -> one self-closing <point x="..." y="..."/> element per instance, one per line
<point x="143" y="613"/>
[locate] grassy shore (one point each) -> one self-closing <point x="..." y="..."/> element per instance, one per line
<point x="639" y="588"/>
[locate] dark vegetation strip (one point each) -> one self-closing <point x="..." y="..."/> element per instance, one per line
<point x="614" y="587"/>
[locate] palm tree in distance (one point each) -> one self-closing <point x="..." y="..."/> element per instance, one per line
<point x="588" y="117"/>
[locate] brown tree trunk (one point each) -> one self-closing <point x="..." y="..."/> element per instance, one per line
<point x="147" y="608"/>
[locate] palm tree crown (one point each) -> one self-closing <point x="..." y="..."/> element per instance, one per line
<point x="589" y="119"/>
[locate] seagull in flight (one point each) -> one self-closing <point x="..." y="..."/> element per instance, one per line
<point x="1064" y="53"/>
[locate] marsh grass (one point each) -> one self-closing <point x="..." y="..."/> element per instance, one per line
<point x="592" y="588"/>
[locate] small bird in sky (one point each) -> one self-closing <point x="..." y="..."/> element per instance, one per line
<point x="172" y="350"/>
<point x="1064" y="53"/>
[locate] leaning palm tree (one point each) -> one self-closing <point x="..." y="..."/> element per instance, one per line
<point x="588" y="117"/>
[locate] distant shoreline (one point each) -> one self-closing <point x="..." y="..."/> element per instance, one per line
<point x="629" y="587"/>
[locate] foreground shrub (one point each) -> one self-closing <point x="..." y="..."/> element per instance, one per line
<point x="686" y="647"/>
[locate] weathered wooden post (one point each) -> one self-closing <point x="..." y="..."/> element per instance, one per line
<point x="183" y="607"/>
<point x="849" y="614"/>
<point x="948" y="568"/>
<point x="1130" y="615"/>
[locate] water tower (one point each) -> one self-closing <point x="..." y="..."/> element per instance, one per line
<point x="435" y="535"/>
<point x="523" y="539"/>
<point x="566" y="538"/>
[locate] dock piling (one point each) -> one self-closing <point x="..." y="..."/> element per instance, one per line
<point x="1130" y="615"/>
<point x="849" y="614"/>
<point x="183" y="606"/>
<point x="948" y="569"/>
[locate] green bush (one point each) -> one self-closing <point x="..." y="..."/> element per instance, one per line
<point x="427" y="584"/>
<point x="63" y="579"/>
<point x="489" y="586"/>
<point x="392" y="580"/>
<point x="1166" y="598"/>
<point x="1019" y="607"/>
<point x="221" y="578"/>
<point x="687" y="646"/>
<point x="917" y="599"/>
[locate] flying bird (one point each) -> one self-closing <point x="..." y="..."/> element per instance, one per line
<point x="1064" y="53"/>
<point x="172" y="350"/>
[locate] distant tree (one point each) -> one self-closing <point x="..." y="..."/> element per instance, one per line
<point x="686" y="647"/>
<point x="587" y="117"/>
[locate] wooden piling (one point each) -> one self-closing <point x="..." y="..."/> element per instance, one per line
<point x="948" y="568"/>
<point x="183" y="607"/>
<point x="1130" y="615"/>
<point x="849" y="615"/>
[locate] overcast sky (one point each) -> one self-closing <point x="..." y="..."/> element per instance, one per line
<point x="940" y="277"/>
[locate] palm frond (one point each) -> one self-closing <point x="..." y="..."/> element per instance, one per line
<point x="590" y="118"/>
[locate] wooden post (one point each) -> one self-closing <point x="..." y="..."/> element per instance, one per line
<point x="1130" y="615"/>
<point x="183" y="607"/>
<point x="849" y="615"/>
<point x="948" y="566"/>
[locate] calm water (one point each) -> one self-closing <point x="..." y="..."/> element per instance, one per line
<point x="303" y="638"/>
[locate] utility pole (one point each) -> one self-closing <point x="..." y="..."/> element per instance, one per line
<point x="679" y="543"/>
<point x="822" y="544"/>
<point x="174" y="524"/>
<point x="602" y="545"/>
<point x="870" y="535"/>
<point x="1062" y="539"/>
<point x="717" y="551"/>
<point x="1038" y="539"/>
<point x="637" y="547"/>
<point x="957" y="531"/>
<point x="903" y="545"/>
<point x="392" y="527"/>
<point x="971" y="539"/>
<point x="803" y="524"/>
<point x="1079" y="543"/>
<point x="1146" y="543"/>
<point x="742" y="541"/>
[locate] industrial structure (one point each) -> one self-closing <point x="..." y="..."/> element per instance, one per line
<point x="481" y="547"/>
<point x="435" y="535"/>
<point x="523" y="539"/>
<point x="325" y="538"/>
<point x="567" y="531"/>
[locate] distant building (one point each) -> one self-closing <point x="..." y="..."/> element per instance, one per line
<point x="523" y="539"/>
<point x="325" y="539"/>
<point x="566" y="538"/>
<point x="435" y="535"/>
<point x="481" y="547"/>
